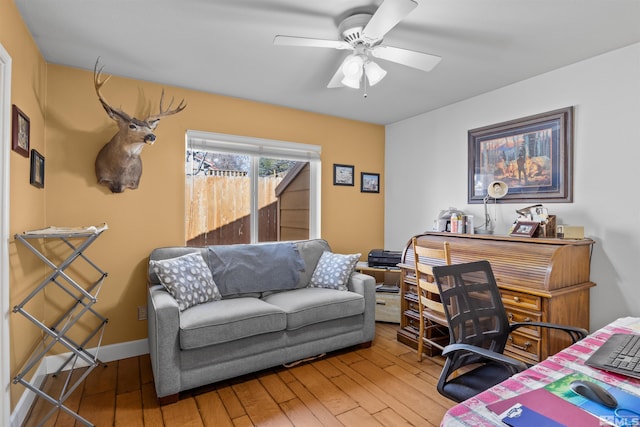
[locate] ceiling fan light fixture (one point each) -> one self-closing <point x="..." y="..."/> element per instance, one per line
<point x="352" y="66"/>
<point x="352" y="82"/>
<point x="374" y="72"/>
<point x="352" y="71"/>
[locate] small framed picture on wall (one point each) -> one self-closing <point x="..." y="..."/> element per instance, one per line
<point x="369" y="182"/>
<point x="36" y="177"/>
<point x="20" y="132"/>
<point x="343" y="174"/>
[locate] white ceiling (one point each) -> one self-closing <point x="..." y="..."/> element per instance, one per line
<point x="225" y="46"/>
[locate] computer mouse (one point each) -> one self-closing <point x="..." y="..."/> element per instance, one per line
<point x="594" y="392"/>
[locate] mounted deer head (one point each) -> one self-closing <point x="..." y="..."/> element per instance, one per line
<point x="118" y="165"/>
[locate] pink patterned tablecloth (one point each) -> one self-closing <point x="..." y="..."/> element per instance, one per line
<point x="473" y="412"/>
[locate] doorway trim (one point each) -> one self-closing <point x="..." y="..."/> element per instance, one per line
<point x="5" y="139"/>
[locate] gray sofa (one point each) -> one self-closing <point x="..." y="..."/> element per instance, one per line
<point x="250" y="329"/>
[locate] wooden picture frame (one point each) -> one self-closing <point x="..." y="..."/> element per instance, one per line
<point x="36" y="173"/>
<point x="532" y="155"/>
<point x="20" y="132"/>
<point x="369" y="182"/>
<point x="343" y="174"/>
<point x="524" y="229"/>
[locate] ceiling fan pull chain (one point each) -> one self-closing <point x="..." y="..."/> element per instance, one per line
<point x="364" y="86"/>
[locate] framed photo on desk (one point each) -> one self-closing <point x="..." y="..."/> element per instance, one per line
<point x="524" y="229"/>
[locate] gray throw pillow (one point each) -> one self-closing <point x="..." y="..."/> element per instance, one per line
<point x="188" y="279"/>
<point x="333" y="271"/>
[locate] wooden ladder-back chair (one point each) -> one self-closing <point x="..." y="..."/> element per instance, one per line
<point x="432" y="315"/>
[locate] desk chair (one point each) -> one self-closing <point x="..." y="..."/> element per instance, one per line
<point x="479" y="330"/>
<point x="433" y="323"/>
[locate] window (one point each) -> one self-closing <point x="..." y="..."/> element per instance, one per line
<point x="246" y="190"/>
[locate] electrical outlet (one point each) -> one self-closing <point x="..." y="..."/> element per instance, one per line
<point x="142" y="312"/>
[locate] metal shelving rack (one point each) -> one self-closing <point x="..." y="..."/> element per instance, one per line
<point x="82" y="297"/>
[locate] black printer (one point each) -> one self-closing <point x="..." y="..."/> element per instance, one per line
<point x="384" y="259"/>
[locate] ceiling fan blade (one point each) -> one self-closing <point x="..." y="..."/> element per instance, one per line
<point x="336" y="79"/>
<point x="386" y="17"/>
<point x="308" y="42"/>
<point x="410" y="58"/>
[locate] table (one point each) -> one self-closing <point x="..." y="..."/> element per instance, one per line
<point x="385" y="275"/>
<point x="473" y="411"/>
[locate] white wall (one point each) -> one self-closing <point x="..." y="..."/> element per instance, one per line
<point x="426" y="167"/>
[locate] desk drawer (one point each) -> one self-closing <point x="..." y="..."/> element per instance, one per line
<point x="523" y="347"/>
<point x="520" y="300"/>
<point x="518" y="316"/>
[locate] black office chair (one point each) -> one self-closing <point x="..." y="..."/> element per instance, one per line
<point x="478" y="330"/>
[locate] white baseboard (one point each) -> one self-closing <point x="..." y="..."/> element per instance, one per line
<point x="51" y="364"/>
<point x="107" y="353"/>
<point x="21" y="410"/>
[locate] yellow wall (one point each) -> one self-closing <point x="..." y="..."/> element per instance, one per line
<point x="68" y="126"/>
<point x="153" y="215"/>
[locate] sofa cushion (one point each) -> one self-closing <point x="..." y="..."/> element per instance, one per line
<point x="228" y="320"/>
<point x="188" y="279"/>
<point x="307" y="306"/>
<point x="311" y="251"/>
<point x="333" y="271"/>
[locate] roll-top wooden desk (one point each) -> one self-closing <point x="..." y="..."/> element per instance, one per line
<point x="540" y="279"/>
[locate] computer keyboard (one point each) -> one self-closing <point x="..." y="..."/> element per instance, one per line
<point x="626" y="355"/>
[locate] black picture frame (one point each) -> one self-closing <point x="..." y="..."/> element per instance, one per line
<point x="20" y="131"/>
<point x="532" y="155"/>
<point x="343" y="174"/>
<point x="524" y="229"/>
<point x="36" y="173"/>
<point x="369" y="182"/>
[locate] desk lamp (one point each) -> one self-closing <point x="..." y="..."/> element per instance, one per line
<point x="495" y="190"/>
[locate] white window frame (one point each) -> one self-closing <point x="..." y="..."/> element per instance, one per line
<point x="260" y="147"/>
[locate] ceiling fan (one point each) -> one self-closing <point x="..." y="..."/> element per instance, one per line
<point x="363" y="34"/>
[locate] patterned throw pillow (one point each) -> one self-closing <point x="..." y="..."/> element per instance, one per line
<point x="188" y="279"/>
<point x="333" y="271"/>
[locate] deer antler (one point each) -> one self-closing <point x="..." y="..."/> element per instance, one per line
<point x="112" y="112"/>
<point x="168" y="111"/>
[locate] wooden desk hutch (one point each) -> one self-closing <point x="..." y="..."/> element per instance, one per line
<point x="541" y="279"/>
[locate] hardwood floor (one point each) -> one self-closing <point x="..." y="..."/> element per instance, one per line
<point x="383" y="385"/>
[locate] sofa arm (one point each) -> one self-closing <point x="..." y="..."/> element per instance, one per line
<point x="365" y="285"/>
<point x="164" y="341"/>
<point x="359" y="282"/>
